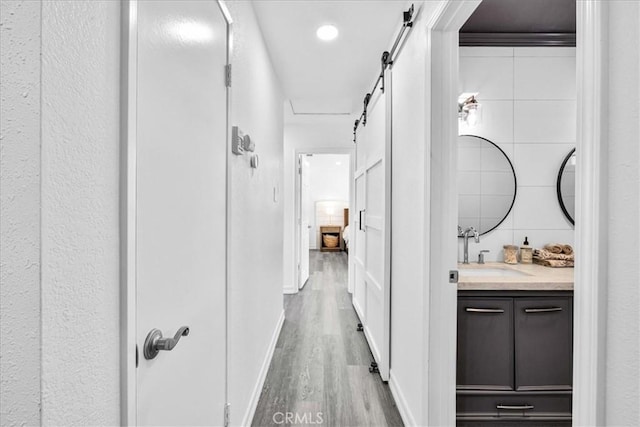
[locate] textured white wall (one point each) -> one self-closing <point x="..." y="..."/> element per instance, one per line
<point x="623" y="311"/>
<point x="20" y="213"/>
<point x="80" y="173"/>
<point x="528" y="98"/>
<point x="317" y="134"/>
<point x="255" y="299"/>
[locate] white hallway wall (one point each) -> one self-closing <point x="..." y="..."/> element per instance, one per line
<point x="80" y="205"/>
<point x="255" y="290"/>
<point x="528" y="97"/>
<point x="79" y="236"/>
<point x="20" y="213"/>
<point x="623" y="314"/>
<point x="307" y="134"/>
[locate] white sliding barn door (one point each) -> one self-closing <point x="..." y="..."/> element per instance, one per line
<point x="371" y="296"/>
<point x="181" y="190"/>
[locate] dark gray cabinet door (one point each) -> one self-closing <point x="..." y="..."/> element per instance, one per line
<point x="485" y="344"/>
<point x="543" y="343"/>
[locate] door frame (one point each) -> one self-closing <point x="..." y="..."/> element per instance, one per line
<point x="128" y="197"/>
<point x="298" y="201"/>
<point x="298" y="219"/>
<point x="591" y="233"/>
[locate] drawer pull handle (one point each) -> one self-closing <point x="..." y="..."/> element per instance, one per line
<point x="484" y="310"/>
<point x="542" y="309"/>
<point x="515" y="407"/>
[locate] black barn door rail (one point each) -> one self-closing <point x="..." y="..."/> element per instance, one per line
<point x="385" y="61"/>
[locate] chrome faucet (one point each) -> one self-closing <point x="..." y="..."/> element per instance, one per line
<point x="465" y="235"/>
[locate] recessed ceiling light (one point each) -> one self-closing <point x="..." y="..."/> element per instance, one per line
<point x="327" y="32"/>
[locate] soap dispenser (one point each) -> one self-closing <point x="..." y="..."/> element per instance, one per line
<point x="526" y="252"/>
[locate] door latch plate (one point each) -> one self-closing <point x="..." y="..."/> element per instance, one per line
<point x="453" y="276"/>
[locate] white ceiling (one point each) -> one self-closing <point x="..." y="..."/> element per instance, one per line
<point x="328" y="77"/>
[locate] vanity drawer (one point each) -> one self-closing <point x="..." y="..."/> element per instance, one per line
<point x="514" y="406"/>
<point x="514" y="423"/>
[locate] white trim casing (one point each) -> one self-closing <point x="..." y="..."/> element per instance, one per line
<point x="296" y="203"/>
<point x="401" y="402"/>
<point x="262" y="376"/>
<point x="227" y="16"/>
<point x="439" y="381"/>
<point x="128" y="119"/>
<point x="590" y="298"/>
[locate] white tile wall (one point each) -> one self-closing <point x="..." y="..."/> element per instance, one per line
<point x="528" y="100"/>
<point x="544" y="51"/>
<point x="544" y="121"/>
<point x="497" y="122"/>
<point x="492" y="77"/>
<point x="544" y="77"/>
<point x="537" y="208"/>
<point x="539" y="164"/>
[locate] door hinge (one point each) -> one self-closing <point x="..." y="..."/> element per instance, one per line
<point x="227" y="75"/>
<point x="453" y="276"/>
<point x="227" y="414"/>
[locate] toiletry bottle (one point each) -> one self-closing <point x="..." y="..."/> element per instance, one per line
<point x="510" y="254"/>
<point x="526" y="252"/>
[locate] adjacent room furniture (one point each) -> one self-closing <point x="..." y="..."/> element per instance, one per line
<point x="345" y="232"/>
<point x="331" y="231"/>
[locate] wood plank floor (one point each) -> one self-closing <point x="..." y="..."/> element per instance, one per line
<point x="321" y="363"/>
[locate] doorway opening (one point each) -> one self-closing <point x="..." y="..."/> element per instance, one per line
<point x="516" y="189"/>
<point x="323" y="201"/>
<point x="588" y="365"/>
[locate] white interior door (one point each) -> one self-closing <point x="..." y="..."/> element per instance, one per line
<point x="303" y="222"/>
<point x="181" y="210"/>
<point x="371" y="296"/>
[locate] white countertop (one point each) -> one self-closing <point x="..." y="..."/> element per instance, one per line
<point x="533" y="277"/>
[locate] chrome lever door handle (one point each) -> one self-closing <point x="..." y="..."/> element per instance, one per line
<point x="155" y="342"/>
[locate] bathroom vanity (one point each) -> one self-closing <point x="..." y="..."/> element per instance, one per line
<point x="514" y="345"/>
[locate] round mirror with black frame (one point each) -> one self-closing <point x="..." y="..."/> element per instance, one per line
<point x="487" y="184"/>
<point x="566" y="186"/>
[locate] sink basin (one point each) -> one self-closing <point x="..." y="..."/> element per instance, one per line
<point x="490" y="272"/>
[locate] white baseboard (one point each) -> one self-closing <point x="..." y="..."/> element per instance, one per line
<point x="257" y="389"/>
<point x="401" y="402"/>
<point x="290" y="291"/>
